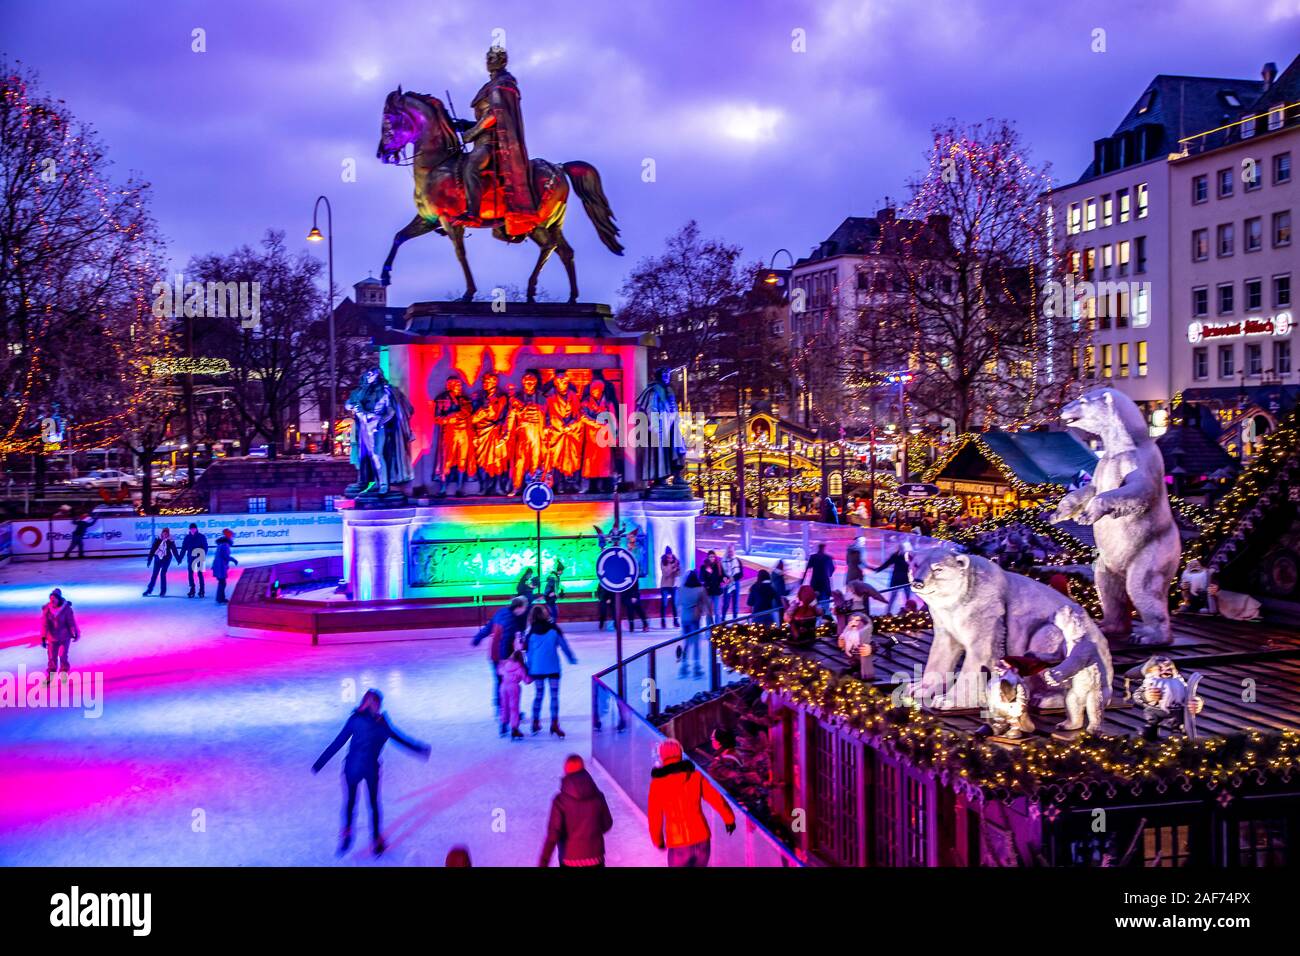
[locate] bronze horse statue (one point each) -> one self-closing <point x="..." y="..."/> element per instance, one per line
<point x="421" y="121"/>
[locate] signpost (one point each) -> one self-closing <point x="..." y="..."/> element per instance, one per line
<point x="538" y="496"/>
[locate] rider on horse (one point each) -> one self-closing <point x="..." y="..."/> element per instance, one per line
<point x="497" y="135"/>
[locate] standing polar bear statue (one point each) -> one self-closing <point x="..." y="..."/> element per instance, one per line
<point x="1127" y="505"/>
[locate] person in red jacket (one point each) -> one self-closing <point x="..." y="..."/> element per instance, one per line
<point x="676" y="812"/>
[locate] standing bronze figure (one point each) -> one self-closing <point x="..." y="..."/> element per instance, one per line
<point x="381" y="426"/>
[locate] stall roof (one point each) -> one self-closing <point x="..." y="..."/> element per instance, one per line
<point x="1036" y="458"/>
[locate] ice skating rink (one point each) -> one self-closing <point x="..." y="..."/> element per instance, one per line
<point x="202" y="755"/>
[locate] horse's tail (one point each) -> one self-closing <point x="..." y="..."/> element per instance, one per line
<point x="586" y="183"/>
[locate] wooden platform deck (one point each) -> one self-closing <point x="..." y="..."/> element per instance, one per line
<point x="1251" y="675"/>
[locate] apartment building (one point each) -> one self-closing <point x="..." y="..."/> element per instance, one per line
<point x="1233" y="262"/>
<point x="847" y="275"/>
<point x="1110" y="239"/>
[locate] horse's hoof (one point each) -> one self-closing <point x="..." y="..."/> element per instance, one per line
<point x="572" y="299"/>
<point x="384" y="280"/>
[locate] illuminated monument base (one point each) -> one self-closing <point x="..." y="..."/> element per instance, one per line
<point x="440" y="555"/>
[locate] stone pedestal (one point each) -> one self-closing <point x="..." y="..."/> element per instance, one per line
<point x="669" y="523"/>
<point x="375" y="549"/>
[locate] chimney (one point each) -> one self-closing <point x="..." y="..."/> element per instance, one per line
<point x="1269" y="74"/>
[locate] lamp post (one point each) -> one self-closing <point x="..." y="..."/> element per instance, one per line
<point x="901" y="378"/>
<point x="315" y="236"/>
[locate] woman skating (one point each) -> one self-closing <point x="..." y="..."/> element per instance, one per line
<point x="543" y="644"/>
<point x="369" y="729"/>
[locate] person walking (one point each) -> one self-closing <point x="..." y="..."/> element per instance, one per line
<point x="553" y="591"/>
<point x="675" y="808"/>
<point x="762" y="601"/>
<point x="579" y="820"/>
<point x="693" y="603"/>
<point x="78" y="540"/>
<point x="368" y="729"/>
<point x="670" y="568"/>
<point x="821" y="567"/>
<point x="527" y="585"/>
<point x="222" y="561"/>
<point x="900" y="579"/>
<point x="161" y="555"/>
<point x="711" y="576"/>
<point x="604" y="605"/>
<point x="543" y="643"/>
<point x="781" y="584"/>
<point x="506" y="624"/>
<point x="633" y="608"/>
<point x="733" y="572"/>
<point x="58" y="630"/>
<point x="194" y="549"/>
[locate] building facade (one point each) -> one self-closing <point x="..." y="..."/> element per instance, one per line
<point x="1111" y="239"/>
<point x="1233" y="261"/>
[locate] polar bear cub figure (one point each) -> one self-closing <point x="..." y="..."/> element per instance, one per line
<point x="1085" y="673"/>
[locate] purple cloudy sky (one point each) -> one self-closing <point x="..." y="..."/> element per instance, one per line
<point x="763" y="145"/>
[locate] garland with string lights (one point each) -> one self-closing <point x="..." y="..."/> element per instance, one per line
<point x="1048" y="490"/>
<point x="1040" y="765"/>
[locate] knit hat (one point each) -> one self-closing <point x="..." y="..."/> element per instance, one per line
<point x="670" y="751"/>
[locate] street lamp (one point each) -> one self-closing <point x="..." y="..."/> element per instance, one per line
<point x="740" y="446"/>
<point x="901" y="378"/>
<point x="315" y="236"/>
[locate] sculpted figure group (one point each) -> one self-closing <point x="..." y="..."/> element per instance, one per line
<point x="505" y="437"/>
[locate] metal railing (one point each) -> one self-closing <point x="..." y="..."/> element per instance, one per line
<point x="625" y="741"/>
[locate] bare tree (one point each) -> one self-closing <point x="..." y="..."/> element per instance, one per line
<point x="78" y="257"/>
<point x="278" y="358"/>
<point x="705" y="305"/>
<point x="982" y="350"/>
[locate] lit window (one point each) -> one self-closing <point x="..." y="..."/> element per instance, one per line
<point x="1200" y="245"/>
<point x="1148" y="100"/>
<point x="1107" y="361"/>
<point x="1125" y="252"/>
<point x="1142" y="200"/>
<point x="1075" y="220"/>
<point x="1123" y="360"/>
<point x="1090" y="215"/>
<point x="1122" y="196"/>
<point x="257" y="505"/>
<point x="1142" y="307"/>
<point x="1142" y="358"/>
<point x="1107" y="210"/>
<point x="1282" y="228"/>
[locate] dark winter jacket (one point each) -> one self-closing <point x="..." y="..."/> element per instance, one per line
<point x="511" y="624"/>
<point x="822" y="567"/>
<point x="542" y="649"/>
<point x="59" y="625"/>
<point x="675" y="812"/>
<point x="898" y="573"/>
<point x="369" y="733"/>
<point x="762" y="600"/>
<point x="194" y="541"/>
<point x="224" y="559"/>
<point x="162" y="552"/>
<point x="579" y="820"/>
<point x="711" y="577"/>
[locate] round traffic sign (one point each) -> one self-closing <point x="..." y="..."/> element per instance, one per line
<point x="616" y="569"/>
<point x="538" y="495"/>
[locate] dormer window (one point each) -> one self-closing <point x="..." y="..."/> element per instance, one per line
<point x="1148" y="100"/>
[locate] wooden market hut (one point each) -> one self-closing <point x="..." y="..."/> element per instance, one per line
<point x="995" y="472"/>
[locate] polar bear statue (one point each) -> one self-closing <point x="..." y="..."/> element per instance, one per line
<point x="981" y="615"/>
<point x="1126" y="503"/>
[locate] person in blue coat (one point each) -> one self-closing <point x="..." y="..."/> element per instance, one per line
<point x="161" y="555"/>
<point x="542" y="646"/>
<point x="194" y="549"/>
<point x="222" y="562"/>
<point x="369" y="729"/>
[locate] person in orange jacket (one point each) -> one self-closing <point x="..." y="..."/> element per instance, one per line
<point x="676" y="812"/>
